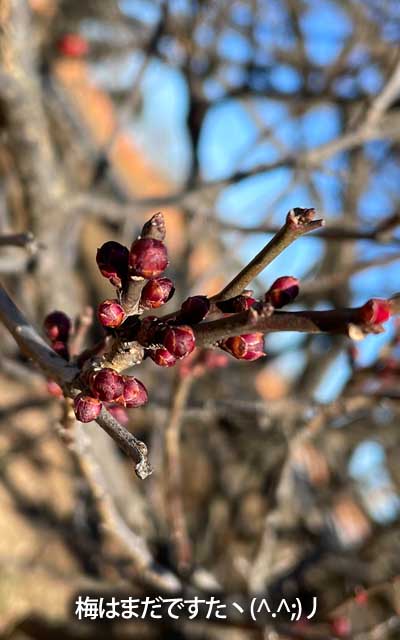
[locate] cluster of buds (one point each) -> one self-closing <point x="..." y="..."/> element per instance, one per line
<point x="147" y="259"/>
<point x="111" y="388"/>
<point x="137" y="274"/>
<point x="166" y="342"/>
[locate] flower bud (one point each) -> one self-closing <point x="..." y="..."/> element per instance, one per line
<point x="237" y="304"/>
<point x="148" y="257"/>
<point x="194" y="309"/>
<point x="72" y="45"/>
<point x="341" y="627"/>
<point x="246" y="347"/>
<point x="86" y="408"/>
<point x="113" y="259"/>
<point x="180" y="341"/>
<point x="375" y="311"/>
<point x="106" y="384"/>
<point x="162" y="357"/>
<point x="155" y="227"/>
<point x="283" y="291"/>
<point x="110" y="313"/>
<point x="134" y="393"/>
<point x="54" y="389"/>
<point x="214" y="359"/>
<point x="156" y="292"/>
<point x="61" y="349"/>
<point x="119" y="413"/>
<point x="57" y="326"/>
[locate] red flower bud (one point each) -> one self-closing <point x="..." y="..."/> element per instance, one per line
<point x="72" y="45"/>
<point x="375" y="311"/>
<point x="113" y="260"/>
<point x="148" y="257"/>
<point x="214" y="359"/>
<point x="246" y="347"/>
<point x="86" y="408"/>
<point x="106" y="384"/>
<point x="54" y="389"/>
<point x="283" y="291"/>
<point x="341" y="627"/>
<point x="194" y="309"/>
<point x="61" y="349"/>
<point x="237" y="304"/>
<point x="110" y="313"/>
<point x="119" y="414"/>
<point x="156" y="293"/>
<point x="180" y="341"/>
<point x="163" y="357"/>
<point x="134" y="393"/>
<point x="57" y="326"/>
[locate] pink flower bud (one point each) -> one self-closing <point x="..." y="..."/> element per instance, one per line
<point x="375" y="311"/>
<point x="214" y="359"/>
<point x="148" y="257"/>
<point x="61" y="349"/>
<point x="54" y="389"/>
<point x="113" y="260"/>
<point x="246" y="347"/>
<point x="57" y="326"/>
<point x="119" y="413"/>
<point x="163" y="357"/>
<point x="134" y="393"/>
<point x="237" y="304"/>
<point x="86" y="408"/>
<point x="283" y="291"/>
<point x="106" y="384"/>
<point x="194" y="309"/>
<point x="180" y="341"/>
<point x="73" y="45"/>
<point x="110" y="313"/>
<point x="341" y="627"/>
<point x="156" y="292"/>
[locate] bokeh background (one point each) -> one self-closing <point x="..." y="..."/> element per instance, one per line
<point x="224" y="115"/>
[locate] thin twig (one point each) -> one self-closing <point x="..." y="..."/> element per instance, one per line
<point x="298" y="222"/>
<point x="174" y="505"/>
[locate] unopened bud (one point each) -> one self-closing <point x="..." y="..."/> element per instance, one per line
<point x="156" y="292"/>
<point x="163" y="357"/>
<point x="86" y="408"/>
<point x="57" y="326"/>
<point x="134" y="393"/>
<point x="106" y="384"/>
<point x="110" y="313"/>
<point x="237" y="304"/>
<point x="249" y="346"/>
<point x="375" y="311"/>
<point x="283" y="291"/>
<point x="113" y="260"/>
<point x="119" y="413"/>
<point x="54" y="389"/>
<point x="148" y="257"/>
<point x="180" y="341"/>
<point x="194" y="309"/>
